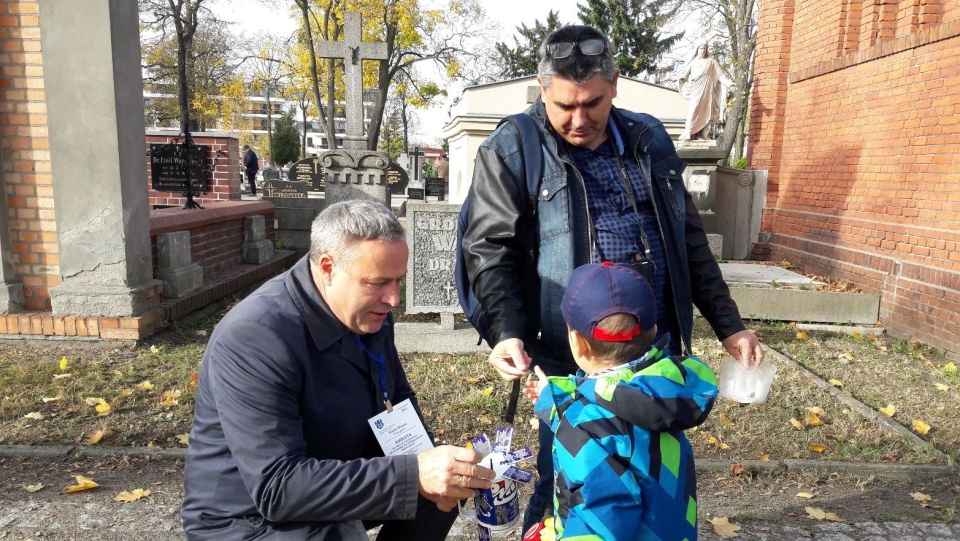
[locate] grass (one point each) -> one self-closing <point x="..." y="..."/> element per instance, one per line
<point x="461" y="397"/>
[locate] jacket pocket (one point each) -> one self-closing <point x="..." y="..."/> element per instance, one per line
<point x="553" y="206"/>
<point x="669" y="171"/>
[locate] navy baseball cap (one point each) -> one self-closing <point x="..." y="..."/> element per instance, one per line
<point x="599" y="290"/>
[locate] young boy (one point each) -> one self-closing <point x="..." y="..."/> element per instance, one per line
<point x="624" y="469"/>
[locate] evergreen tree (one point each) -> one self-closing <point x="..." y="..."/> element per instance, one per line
<point x="522" y="59"/>
<point x="633" y="27"/>
<point x="286" y="140"/>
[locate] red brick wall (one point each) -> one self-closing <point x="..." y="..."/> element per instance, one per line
<point x="26" y="153"/>
<point x="224" y="182"/>
<point x="863" y="151"/>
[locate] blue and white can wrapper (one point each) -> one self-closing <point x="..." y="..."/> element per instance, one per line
<point x="497" y="509"/>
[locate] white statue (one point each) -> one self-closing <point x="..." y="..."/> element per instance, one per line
<point x="702" y="82"/>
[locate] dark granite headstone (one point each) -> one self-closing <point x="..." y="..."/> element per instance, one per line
<point x="285" y="189"/>
<point x="308" y="170"/>
<point x="416" y="193"/>
<point x="397" y="178"/>
<point x="270" y="175"/>
<point x="167" y="170"/>
<point x="437" y="187"/>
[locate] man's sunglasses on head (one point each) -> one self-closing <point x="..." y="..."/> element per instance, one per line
<point x="563" y="49"/>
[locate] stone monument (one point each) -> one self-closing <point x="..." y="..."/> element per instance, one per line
<point x="432" y="236"/>
<point x="354" y="172"/>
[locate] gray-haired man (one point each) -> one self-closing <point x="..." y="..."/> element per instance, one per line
<point x="293" y="379"/>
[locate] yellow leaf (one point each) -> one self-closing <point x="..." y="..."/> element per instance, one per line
<point x="845" y="356"/>
<point x="63" y="364"/>
<point x="835" y="382"/>
<point x="814" y="420"/>
<point x="723" y="528"/>
<point x="484" y="419"/>
<point x="921" y="427"/>
<point x="133" y="496"/>
<point x="34" y="415"/>
<point x="83" y="483"/>
<point x="126" y="392"/>
<point x="150" y="444"/>
<point x="184" y="439"/>
<point x="488" y="390"/>
<point x="921" y="497"/>
<point x="145" y="385"/>
<point x="950" y="368"/>
<point x="534" y="423"/>
<point x="47" y="400"/>
<point x="170" y="398"/>
<point x="765" y="457"/>
<point x="31" y="488"/>
<point x="816" y="409"/>
<point x="98" y="435"/>
<point x="807" y="495"/>
<point x="941" y="386"/>
<point x="62" y="376"/>
<point x="820" y="514"/>
<point x="154" y="348"/>
<point x="802" y="335"/>
<point x="726" y="420"/>
<point x="797" y="424"/>
<point x="100" y="405"/>
<point x="717" y="443"/>
<point x="471" y="381"/>
<point x="889" y="410"/>
<point x="697" y="351"/>
<point x="819" y="448"/>
<point x="856" y="335"/>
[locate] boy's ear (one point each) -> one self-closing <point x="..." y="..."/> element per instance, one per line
<point x="578" y="345"/>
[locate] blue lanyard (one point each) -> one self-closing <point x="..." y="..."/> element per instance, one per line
<point x="383" y="371"/>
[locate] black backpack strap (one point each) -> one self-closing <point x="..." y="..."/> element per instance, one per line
<point x="532" y="153"/>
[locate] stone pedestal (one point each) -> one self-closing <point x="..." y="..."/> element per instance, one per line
<point x="257" y="250"/>
<point x="180" y="275"/>
<point x="432" y="237"/>
<point x="356" y="174"/>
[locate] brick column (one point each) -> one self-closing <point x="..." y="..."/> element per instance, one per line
<point x="94" y="91"/>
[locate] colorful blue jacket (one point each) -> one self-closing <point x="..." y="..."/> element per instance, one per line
<point x="624" y="468"/>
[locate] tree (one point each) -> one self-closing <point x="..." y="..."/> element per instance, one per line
<point x="286" y="140"/>
<point x="523" y="59"/>
<point x="633" y="27"/>
<point x="735" y="23"/>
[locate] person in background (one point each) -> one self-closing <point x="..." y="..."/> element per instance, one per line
<point x="292" y="383"/>
<point x="612" y="190"/>
<point x="624" y="469"/>
<point x="250" y="167"/>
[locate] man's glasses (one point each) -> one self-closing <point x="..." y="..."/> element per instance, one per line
<point x="563" y="49"/>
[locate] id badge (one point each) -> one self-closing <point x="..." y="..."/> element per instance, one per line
<point x="400" y="432"/>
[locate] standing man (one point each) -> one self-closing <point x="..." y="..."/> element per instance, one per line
<point x="293" y="377"/>
<point x="443" y="166"/>
<point x="611" y="190"/>
<point x="251" y="165"/>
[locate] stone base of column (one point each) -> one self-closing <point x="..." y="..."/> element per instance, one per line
<point x="11" y="298"/>
<point x="113" y="301"/>
<point x="257" y="253"/>
<point x="181" y="280"/>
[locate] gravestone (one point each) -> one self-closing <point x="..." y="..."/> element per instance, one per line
<point x="437" y="187"/>
<point x="432" y="237"/>
<point x="417" y="171"/>
<point x="354" y="172"/>
<point x="308" y="170"/>
<point x="398" y="179"/>
<point x="416" y="193"/>
<point x="284" y="189"/>
<point x="270" y="175"/>
<point x="168" y="167"/>
<point x="295" y="211"/>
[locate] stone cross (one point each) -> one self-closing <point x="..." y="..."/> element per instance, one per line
<point x="353" y="52"/>
<point x="417" y="174"/>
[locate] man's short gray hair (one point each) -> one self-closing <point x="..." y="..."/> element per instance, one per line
<point x="340" y="226"/>
<point x="577" y="67"/>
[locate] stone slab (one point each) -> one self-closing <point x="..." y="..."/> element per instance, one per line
<point x="295" y="218"/>
<point x="173" y="250"/>
<point x="815" y="306"/>
<point x="181" y="280"/>
<point x="257" y="253"/>
<point x="759" y="274"/>
<point x="431" y="235"/>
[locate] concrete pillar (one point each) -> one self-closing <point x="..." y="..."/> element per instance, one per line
<point x="94" y="91"/>
<point x="11" y="291"/>
<point x="257" y="249"/>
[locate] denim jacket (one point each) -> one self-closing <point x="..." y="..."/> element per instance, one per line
<point x="493" y="248"/>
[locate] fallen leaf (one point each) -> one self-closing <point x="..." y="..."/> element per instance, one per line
<point x="726" y="420"/>
<point x="201" y="333"/>
<point x="802" y="335"/>
<point x="889" y="410"/>
<point x="857" y="335"/>
<point x="64" y="364"/>
<point x="717" y="443"/>
<point x="765" y="457"/>
<point x="35" y="415"/>
<point x="484" y="419"/>
<point x="47" y="400"/>
<point x="472" y="381"/>
<point x="819" y="448"/>
<point x="723" y="528"/>
<point x="145" y="385"/>
<point x="100" y="405"/>
<point x="816" y="409"/>
<point x="697" y="351"/>
<point x="184" y="439"/>
<point x="195" y="379"/>
<point x="950" y="368"/>
<point x="154" y="349"/>
<point x="32" y="488"/>
<point x="941" y="386"/>
<point x="488" y="391"/>
<point x="845" y="356"/>
<point x="736" y="469"/>
<point x="170" y="398"/>
<point x="921" y="427"/>
<point x="807" y="495"/>
<point x="921" y="497"/>
<point x="133" y="496"/>
<point x="62" y="376"/>
<point x="814" y="420"/>
<point x="98" y="435"/>
<point x="797" y="424"/>
<point x="83" y="483"/>
<point x="820" y="514"/>
<point x="806" y="533"/>
<point x="534" y="423"/>
<point x="835" y="382"/>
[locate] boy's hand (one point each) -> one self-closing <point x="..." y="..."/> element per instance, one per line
<point x="533" y="389"/>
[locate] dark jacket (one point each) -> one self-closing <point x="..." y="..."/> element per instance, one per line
<point x="251" y="162"/>
<point x="280" y="431"/>
<point x="493" y="248"/>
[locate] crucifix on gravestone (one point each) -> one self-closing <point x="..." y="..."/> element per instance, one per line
<point x="353" y="52"/>
<point x="417" y="174"/>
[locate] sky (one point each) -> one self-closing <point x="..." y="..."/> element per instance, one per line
<point x="256" y="18"/>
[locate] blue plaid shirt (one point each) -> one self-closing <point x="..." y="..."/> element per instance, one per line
<point x="616" y="223"/>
